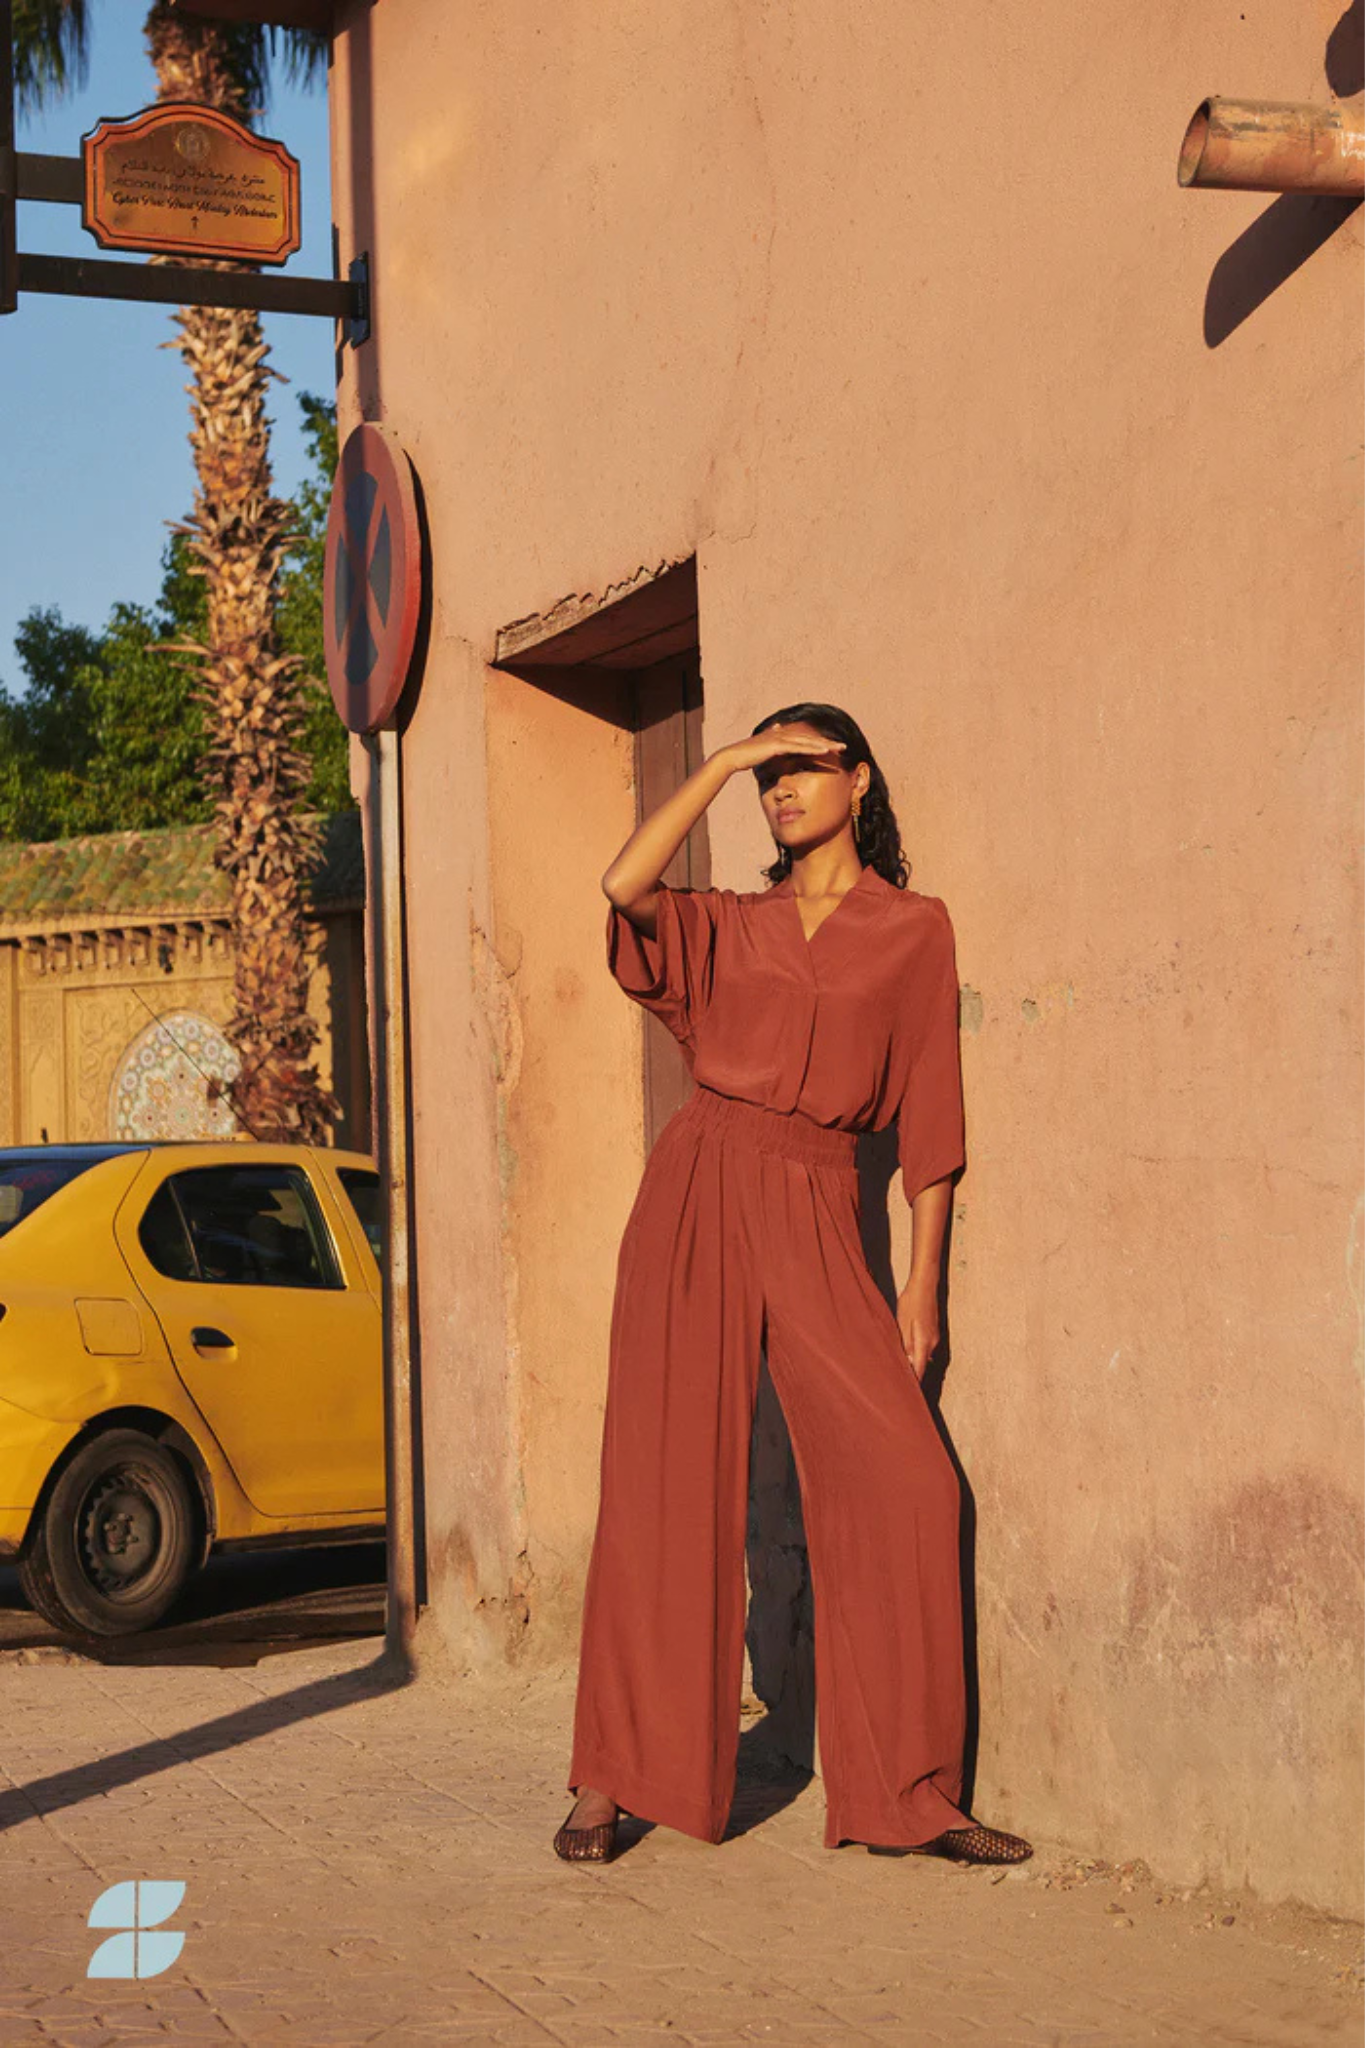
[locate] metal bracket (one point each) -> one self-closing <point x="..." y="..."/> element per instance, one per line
<point x="358" y="321"/>
<point x="173" y="284"/>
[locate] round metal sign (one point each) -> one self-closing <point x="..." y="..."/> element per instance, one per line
<point x="372" y="578"/>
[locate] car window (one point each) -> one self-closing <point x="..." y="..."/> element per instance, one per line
<point x="26" y="1183"/>
<point x="164" y="1238"/>
<point x="244" y="1226"/>
<point x="363" y="1189"/>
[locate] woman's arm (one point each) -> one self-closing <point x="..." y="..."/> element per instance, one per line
<point x="932" y="1148"/>
<point x="917" y="1307"/>
<point x="632" y="880"/>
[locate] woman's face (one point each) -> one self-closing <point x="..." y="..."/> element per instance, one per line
<point x="807" y="798"/>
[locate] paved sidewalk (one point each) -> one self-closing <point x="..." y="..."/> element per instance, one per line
<point x="367" y="1863"/>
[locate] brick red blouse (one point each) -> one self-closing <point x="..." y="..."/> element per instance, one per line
<point x="853" y="1027"/>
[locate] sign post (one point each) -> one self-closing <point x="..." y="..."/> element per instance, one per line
<point x="372" y="598"/>
<point x="175" y="179"/>
<point x="8" y="180"/>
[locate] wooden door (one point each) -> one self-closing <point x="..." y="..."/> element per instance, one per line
<point x="667" y="717"/>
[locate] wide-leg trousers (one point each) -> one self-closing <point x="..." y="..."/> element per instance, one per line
<point x="745" y="1228"/>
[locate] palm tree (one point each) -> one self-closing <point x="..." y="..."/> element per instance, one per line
<point x="239" y="533"/>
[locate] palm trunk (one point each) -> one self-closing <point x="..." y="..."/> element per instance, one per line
<point x="253" y="694"/>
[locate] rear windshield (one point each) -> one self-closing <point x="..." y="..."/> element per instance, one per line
<point x="26" y="1183"/>
<point x="363" y="1189"/>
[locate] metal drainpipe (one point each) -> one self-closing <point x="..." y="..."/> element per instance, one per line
<point x="1274" y="146"/>
<point x="390" y="1038"/>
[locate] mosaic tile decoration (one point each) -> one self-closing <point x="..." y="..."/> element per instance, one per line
<point x="160" y="1086"/>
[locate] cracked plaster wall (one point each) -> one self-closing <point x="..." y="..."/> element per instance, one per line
<point x="882" y="325"/>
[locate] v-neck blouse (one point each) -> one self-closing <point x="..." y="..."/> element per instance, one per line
<point x="852" y="1027"/>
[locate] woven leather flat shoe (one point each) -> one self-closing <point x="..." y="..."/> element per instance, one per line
<point x="977" y="1845"/>
<point x="586" y="1845"/>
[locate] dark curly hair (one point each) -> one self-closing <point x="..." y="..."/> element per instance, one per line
<point x="878" y="834"/>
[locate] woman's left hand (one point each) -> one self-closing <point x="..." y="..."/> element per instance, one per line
<point x="917" y="1318"/>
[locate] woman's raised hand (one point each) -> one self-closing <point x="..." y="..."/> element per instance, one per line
<point x="773" y="741"/>
<point x="633" y="877"/>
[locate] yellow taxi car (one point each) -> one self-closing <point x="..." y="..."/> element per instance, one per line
<point x="190" y="1360"/>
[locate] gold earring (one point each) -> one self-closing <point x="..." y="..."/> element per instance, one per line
<point x="857" y="805"/>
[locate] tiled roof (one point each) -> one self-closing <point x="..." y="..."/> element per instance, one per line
<point x="145" y="876"/>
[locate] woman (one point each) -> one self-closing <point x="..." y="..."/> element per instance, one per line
<point x="807" y="1012"/>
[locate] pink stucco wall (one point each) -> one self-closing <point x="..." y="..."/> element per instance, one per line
<point x="906" y="331"/>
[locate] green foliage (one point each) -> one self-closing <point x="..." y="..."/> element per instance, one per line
<point x="52" y="53"/>
<point x="51" y="50"/>
<point x="45" y="742"/>
<point x="302" y="54"/>
<point x="107" y="736"/>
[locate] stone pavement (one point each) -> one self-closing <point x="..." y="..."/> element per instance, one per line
<point x="370" y="1862"/>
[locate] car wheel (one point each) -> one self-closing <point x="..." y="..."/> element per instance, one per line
<point x="113" y="1547"/>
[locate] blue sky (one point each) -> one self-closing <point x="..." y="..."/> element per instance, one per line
<point x="95" y="433"/>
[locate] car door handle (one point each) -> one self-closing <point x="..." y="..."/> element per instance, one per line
<point x="208" y="1339"/>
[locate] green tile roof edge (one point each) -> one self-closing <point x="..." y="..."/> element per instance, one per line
<point x="155" y="876"/>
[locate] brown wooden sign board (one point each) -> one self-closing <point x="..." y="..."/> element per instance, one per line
<point x="187" y="180"/>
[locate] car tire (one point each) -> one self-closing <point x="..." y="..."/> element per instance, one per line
<point x="116" y="1541"/>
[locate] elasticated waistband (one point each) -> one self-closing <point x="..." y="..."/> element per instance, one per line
<point x="770" y="1130"/>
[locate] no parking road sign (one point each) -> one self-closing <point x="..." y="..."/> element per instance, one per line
<point x="372" y="578"/>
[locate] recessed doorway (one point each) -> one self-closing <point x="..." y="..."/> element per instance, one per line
<point x="635" y="659"/>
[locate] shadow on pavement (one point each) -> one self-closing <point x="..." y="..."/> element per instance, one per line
<point x="243" y="1606"/>
<point x="766" y="1780"/>
<point x="60" y="1789"/>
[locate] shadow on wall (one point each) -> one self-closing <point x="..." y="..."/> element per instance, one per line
<point x="364" y="232"/>
<point x="1346" y="53"/>
<point x="1266" y="256"/>
<point x="780" y="1626"/>
<point x="1283" y="238"/>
